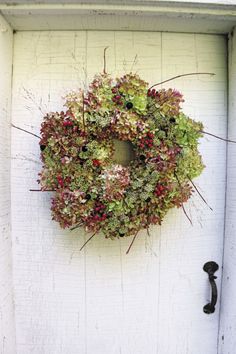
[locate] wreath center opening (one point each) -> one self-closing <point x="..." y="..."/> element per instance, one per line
<point x="123" y="152"/>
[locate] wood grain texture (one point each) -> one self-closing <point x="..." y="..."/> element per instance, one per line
<point x="101" y="301"/>
<point x="227" y="339"/>
<point x="7" y="325"/>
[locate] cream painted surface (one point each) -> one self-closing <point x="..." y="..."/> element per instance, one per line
<point x="7" y="325"/>
<point x="200" y="16"/>
<point x="101" y="301"/>
<point x="15" y="3"/>
<point x="227" y="338"/>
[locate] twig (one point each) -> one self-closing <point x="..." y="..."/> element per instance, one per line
<point x="134" y="62"/>
<point x="218" y="137"/>
<point x="87" y="241"/>
<point x="26" y="131"/>
<point x="30" y="96"/>
<point x="132" y="242"/>
<point x="178" y="76"/>
<point x="200" y="195"/>
<point x="83" y="113"/>
<point x="182" y="205"/>
<point x="148" y="232"/>
<point x="42" y="190"/>
<point x="186" y="214"/>
<point x="104" y="60"/>
<point x="24" y="158"/>
<point x="75" y="227"/>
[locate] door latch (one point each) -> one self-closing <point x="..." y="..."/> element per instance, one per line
<point x="210" y="268"/>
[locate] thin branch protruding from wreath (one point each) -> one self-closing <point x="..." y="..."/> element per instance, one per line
<point x="182" y="204"/>
<point x="83" y="112"/>
<point x="104" y="60"/>
<point x="198" y="192"/>
<point x="26" y="131"/>
<point x="42" y="190"/>
<point x="29" y="96"/>
<point x="90" y="238"/>
<point x="132" y="242"/>
<point x="134" y="62"/>
<point x="218" y="137"/>
<point x="178" y="76"/>
<point x="76" y="226"/>
<point x="185" y="212"/>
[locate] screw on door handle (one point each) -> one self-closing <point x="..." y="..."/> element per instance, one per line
<point x="211" y="268"/>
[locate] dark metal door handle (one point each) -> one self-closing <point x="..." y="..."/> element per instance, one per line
<point x="211" y="268"/>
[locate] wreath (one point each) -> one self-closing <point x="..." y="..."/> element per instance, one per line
<point x="78" y="145"/>
<point x="77" y="150"/>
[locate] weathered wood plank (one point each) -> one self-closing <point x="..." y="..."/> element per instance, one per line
<point x="7" y="325"/>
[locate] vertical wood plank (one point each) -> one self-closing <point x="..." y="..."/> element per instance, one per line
<point x="227" y="339"/>
<point x="185" y="248"/>
<point x="49" y="271"/>
<point x="7" y="325"/>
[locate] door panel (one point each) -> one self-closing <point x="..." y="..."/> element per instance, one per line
<point x="100" y="300"/>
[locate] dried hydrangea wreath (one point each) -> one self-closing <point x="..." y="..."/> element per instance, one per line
<point x="77" y="153"/>
<point x="77" y="148"/>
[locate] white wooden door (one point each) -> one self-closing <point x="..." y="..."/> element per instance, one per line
<point x="100" y="300"/>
